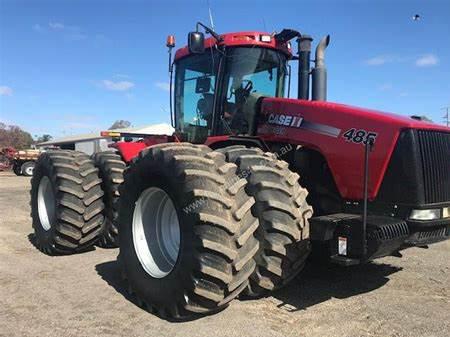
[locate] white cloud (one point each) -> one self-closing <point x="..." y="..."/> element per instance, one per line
<point x="379" y="60"/>
<point x="163" y="86"/>
<point x="56" y="25"/>
<point x="73" y="33"/>
<point x="5" y="91"/>
<point x="101" y="38"/>
<point x="385" y="87"/>
<point x="76" y="36"/>
<point x="118" y="85"/>
<point x="38" y="28"/>
<point x="387" y="58"/>
<point x="427" y="60"/>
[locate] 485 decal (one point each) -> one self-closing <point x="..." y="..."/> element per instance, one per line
<point x="360" y="136"/>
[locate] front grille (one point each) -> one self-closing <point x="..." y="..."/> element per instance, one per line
<point x="435" y="152"/>
<point x="390" y="231"/>
<point x="437" y="233"/>
<point x="426" y="237"/>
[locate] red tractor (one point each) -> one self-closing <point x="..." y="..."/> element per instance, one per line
<point x="224" y="206"/>
<point x="7" y="158"/>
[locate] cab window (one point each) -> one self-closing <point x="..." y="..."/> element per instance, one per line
<point x="250" y="71"/>
<point x="195" y="85"/>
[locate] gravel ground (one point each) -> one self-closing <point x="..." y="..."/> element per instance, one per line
<point x="82" y="295"/>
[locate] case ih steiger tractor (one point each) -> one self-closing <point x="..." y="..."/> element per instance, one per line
<point x="224" y="206"/>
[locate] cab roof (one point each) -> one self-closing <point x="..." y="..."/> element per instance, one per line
<point x="256" y="39"/>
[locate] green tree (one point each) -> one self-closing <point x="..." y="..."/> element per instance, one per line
<point x="44" y="138"/>
<point x="14" y="136"/>
<point x="120" y="124"/>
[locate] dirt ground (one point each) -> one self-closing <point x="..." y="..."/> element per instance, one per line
<point x="82" y="295"/>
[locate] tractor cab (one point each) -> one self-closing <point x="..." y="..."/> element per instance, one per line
<point x="219" y="82"/>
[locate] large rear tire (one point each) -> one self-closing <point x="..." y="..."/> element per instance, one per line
<point x="66" y="202"/>
<point x="111" y="167"/>
<point x="186" y="230"/>
<point x="283" y="213"/>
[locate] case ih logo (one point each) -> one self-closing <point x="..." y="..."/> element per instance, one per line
<point x="298" y="122"/>
<point x="285" y="120"/>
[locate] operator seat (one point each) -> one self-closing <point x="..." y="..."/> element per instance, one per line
<point x="205" y="107"/>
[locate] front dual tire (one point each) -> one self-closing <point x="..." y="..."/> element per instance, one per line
<point x="283" y="214"/>
<point x="186" y="230"/>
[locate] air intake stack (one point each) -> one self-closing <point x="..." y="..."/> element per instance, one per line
<point x="304" y="55"/>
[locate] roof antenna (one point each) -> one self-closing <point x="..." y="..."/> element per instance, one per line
<point x="211" y="21"/>
<point x="264" y="24"/>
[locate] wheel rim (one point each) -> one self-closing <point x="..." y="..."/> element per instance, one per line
<point x="46" y="203"/>
<point x="29" y="170"/>
<point x="156" y="232"/>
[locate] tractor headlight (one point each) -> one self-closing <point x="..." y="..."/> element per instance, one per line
<point x="446" y="212"/>
<point x="425" y="214"/>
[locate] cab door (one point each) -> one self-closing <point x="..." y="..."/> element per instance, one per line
<point x="195" y="90"/>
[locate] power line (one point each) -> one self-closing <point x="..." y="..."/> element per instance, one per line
<point x="446" y="116"/>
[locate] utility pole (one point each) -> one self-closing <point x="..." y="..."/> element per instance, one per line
<point x="446" y="117"/>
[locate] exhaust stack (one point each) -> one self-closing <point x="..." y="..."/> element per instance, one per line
<point x="304" y="55"/>
<point x="319" y="73"/>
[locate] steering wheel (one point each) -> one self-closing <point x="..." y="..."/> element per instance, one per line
<point x="243" y="92"/>
<point x="248" y="87"/>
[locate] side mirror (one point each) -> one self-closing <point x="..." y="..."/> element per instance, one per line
<point x="202" y="85"/>
<point x="196" y="42"/>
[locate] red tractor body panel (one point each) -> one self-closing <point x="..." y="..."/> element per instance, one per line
<point x="323" y="125"/>
<point x="129" y="150"/>
<point x="241" y="39"/>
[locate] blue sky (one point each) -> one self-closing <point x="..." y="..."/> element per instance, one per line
<point x="69" y="67"/>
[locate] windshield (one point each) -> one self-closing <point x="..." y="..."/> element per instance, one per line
<point x="264" y="68"/>
<point x="250" y="71"/>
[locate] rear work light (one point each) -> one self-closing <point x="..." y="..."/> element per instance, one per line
<point x="109" y="134"/>
<point x="266" y="38"/>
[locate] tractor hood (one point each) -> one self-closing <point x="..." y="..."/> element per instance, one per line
<point x="339" y="133"/>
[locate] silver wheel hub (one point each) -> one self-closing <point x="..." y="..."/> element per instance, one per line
<point x="29" y="170"/>
<point x="156" y="232"/>
<point x="46" y="203"/>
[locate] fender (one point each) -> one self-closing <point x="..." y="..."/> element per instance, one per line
<point x="339" y="133"/>
<point x="129" y="150"/>
<point x="216" y="142"/>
